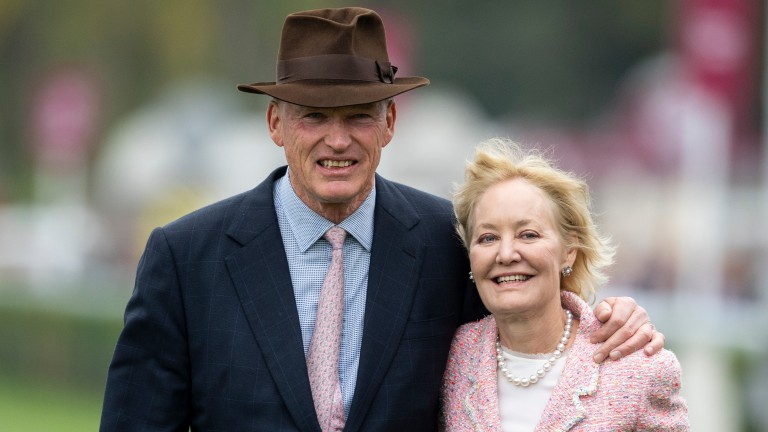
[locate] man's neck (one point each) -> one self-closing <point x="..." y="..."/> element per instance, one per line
<point x="334" y="212"/>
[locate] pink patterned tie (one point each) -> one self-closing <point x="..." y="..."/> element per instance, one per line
<point x="323" y="356"/>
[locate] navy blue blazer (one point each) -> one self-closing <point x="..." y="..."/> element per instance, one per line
<point x="212" y="341"/>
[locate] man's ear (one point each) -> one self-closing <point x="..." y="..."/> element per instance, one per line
<point x="391" y="116"/>
<point x="273" y="123"/>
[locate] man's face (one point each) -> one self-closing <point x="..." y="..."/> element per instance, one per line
<point x="332" y="153"/>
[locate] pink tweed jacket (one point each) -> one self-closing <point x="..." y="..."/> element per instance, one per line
<point x="633" y="394"/>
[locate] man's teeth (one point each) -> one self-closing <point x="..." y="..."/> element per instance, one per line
<point x="332" y="163"/>
<point x="513" y="278"/>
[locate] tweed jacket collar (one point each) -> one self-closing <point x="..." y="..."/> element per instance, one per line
<point x="579" y="379"/>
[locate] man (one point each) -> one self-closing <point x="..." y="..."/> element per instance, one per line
<point x="219" y="332"/>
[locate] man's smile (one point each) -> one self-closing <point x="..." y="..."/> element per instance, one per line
<point x="327" y="163"/>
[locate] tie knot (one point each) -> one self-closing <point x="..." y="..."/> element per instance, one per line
<point x="335" y="236"/>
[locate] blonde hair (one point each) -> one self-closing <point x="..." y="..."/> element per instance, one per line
<point x="498" y="160"/>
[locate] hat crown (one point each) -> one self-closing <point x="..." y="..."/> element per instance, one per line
<point x="332" y="58"/>
<point x="348" y="31"/>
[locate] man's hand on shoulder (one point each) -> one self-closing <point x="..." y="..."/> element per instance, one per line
<point x="626" y="328"/>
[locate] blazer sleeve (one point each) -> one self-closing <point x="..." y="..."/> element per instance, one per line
<point x="665" y="409"/>
<point x="148" y="379"/>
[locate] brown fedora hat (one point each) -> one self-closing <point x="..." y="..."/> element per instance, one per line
<point x="334" y="57"/>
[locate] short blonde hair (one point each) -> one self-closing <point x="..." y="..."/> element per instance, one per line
<point x="500" y="159"/>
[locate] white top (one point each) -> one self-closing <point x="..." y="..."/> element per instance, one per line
<point x="520" y="407"/>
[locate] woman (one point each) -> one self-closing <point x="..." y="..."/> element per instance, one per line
<point x="536" y="256"/>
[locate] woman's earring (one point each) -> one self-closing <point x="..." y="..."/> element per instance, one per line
<point x="471" y="277"/>
<point x="567" y="270"/>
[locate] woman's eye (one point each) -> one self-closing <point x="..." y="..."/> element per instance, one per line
<point x="529" y="235"/>
<point x="486" y="238"/>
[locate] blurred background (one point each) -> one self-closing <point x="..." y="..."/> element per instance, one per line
<point x="118" y="116"/>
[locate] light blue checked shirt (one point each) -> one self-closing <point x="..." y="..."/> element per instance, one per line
<point x="309" y="256"/>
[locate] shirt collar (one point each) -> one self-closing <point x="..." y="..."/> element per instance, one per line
<point x="308" y="226"/>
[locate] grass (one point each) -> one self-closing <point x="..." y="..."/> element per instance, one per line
<point x="53" y="358"/>
<point x="38" y="407"/>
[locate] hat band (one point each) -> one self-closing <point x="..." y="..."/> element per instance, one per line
<point x="335" y="67"/>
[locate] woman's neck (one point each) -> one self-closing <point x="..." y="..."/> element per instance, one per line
<point x="533" y="333"/>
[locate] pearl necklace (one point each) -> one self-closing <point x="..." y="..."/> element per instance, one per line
<point x="556" y="354"/>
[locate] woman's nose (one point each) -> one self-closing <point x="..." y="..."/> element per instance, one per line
<point x="507" y="253"/>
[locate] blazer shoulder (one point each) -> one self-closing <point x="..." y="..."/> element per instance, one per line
<point x="419" y="198"/>
<point x="668" y="372"/>
<point x="654" y="383"/>
<point x="659" y="374"/>
<point x="432" y="214"/>
<point x="222" y="212"/>
<point x="473" y="334"/>
<point x="664" y="360"/>
<point x="210" y="215"/>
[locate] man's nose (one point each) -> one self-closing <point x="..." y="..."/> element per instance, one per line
<point x="338" y="136"/>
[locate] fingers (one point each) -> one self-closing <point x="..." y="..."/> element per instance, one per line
<point x="628" y="329"/>
<point x="620" y="312"/>
<point x="657" y="341"/>
<point x="603" y="310"/>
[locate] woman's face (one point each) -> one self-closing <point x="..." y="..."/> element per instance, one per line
<point x="515" y="252"/>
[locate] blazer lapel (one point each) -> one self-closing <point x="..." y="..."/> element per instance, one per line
<point x="482" y="400"/>
<point x="580" y="375"/>
<point x="262" y="279"/>
<point x="392" y="281"/>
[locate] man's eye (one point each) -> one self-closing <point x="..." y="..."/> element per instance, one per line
<point x="314" y="116"/>
<point x="361" y="117"/>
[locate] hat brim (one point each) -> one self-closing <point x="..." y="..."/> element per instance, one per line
<point x="334" y="93"/>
